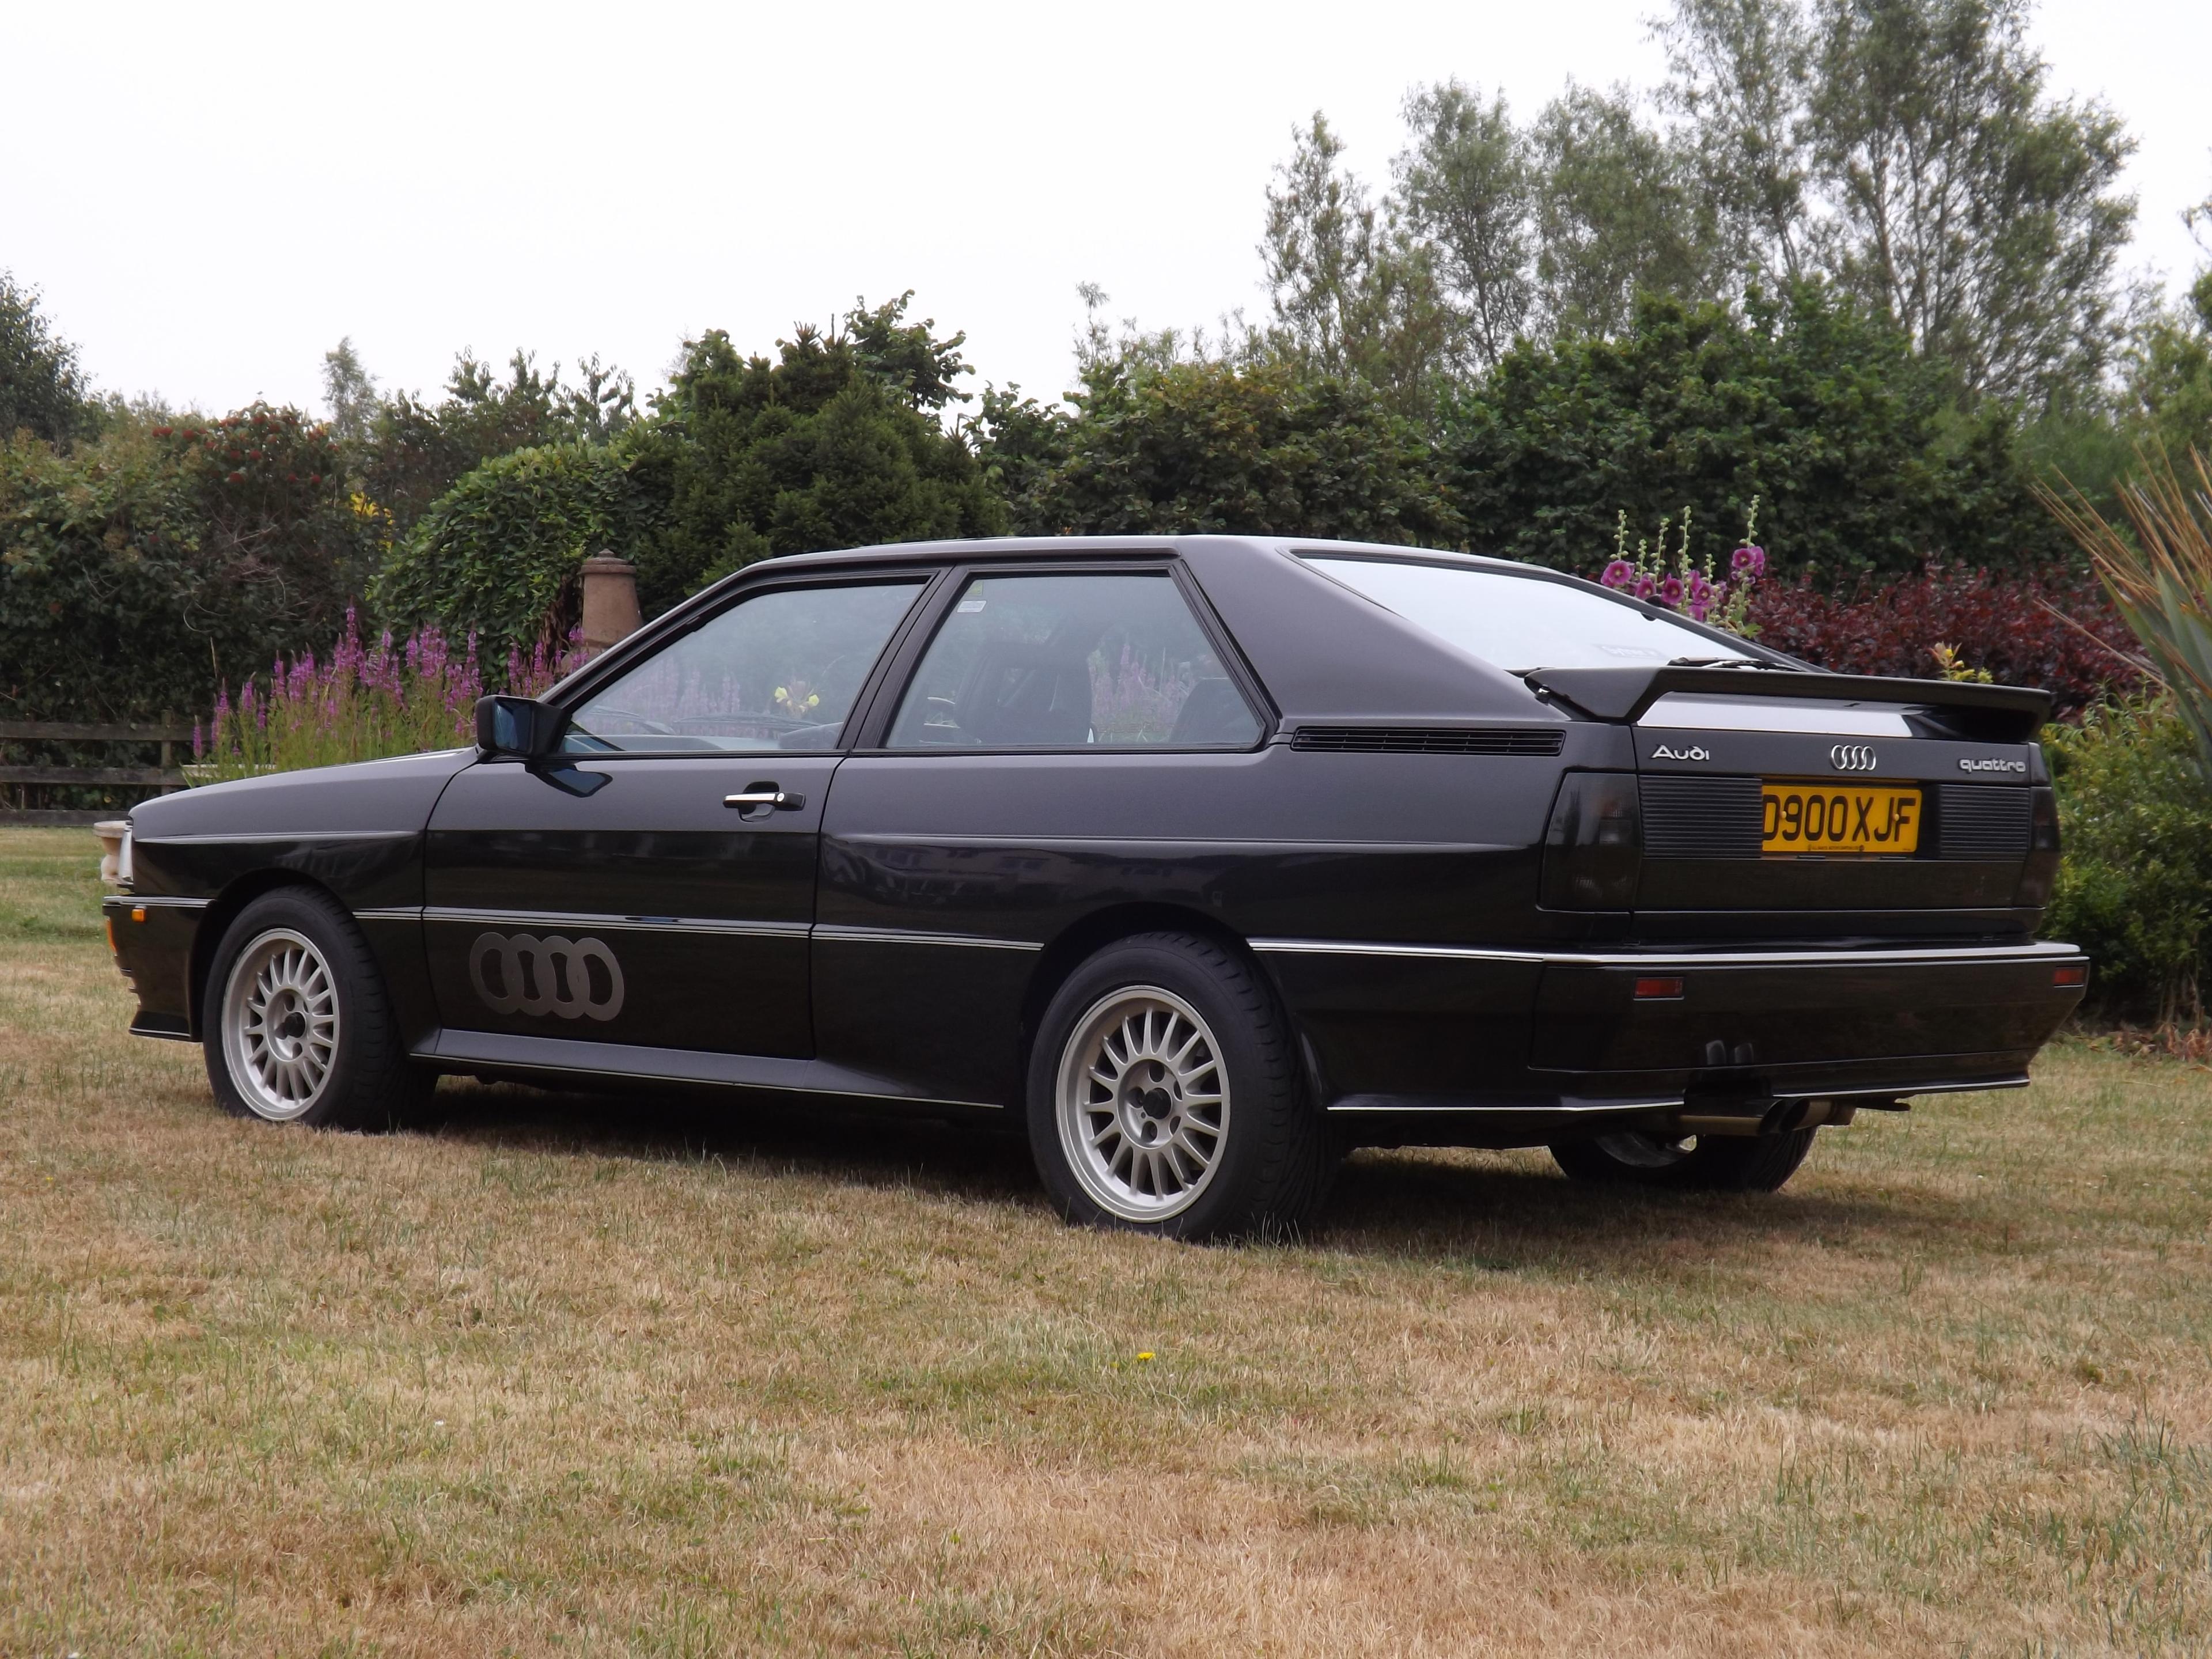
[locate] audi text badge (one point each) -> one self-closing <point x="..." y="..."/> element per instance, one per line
<point x="519" y="973"/>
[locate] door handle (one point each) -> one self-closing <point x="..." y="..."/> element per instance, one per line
<point x="764" y="795"/>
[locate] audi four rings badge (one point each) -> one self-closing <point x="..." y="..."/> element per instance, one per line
<point x="1693" y="752"/>
<point x="1993" y="765"/>
<point x="549" y="975"/>
<point x="1853" y="757"/>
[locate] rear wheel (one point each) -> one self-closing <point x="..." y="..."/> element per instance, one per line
<point x="1734" y="1164"/>
<point x="298" y="1026"/>
<point x="1164" y="1095"/>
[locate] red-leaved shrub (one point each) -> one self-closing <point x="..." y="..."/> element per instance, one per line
<point x="2003" y="624"/>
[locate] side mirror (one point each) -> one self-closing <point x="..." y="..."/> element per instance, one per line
<point x="517" y="728"/>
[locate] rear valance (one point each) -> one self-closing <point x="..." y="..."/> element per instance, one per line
<point x="1989" y="713"/>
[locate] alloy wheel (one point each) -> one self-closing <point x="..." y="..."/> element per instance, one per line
<point x="280" y="1024"/>
<point x="1143" y="1103"/>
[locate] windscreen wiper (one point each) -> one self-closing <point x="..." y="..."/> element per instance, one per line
<point x="1719" y="662"/>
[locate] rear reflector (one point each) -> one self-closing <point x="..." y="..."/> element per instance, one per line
<point x="2070" y="978"/>
<point x="1655" y="990"/>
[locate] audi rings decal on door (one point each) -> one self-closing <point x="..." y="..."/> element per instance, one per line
<point x="1853" y="757"/>
<point x="549" y="975"/>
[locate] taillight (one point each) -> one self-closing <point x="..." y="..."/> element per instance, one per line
<point x="2071" y="977"/>
<point x="1593" y="847"/>
<point x="2041" y="870"/>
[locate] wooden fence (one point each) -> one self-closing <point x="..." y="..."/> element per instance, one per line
<point x="21" y="781"/>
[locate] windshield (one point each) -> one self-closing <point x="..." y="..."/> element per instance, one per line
<point x="1520" y="622"/>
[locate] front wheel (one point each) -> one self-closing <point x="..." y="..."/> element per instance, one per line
<point x="1164" y="1095"/>
<point x="298" y="1026"/>
<point x="1734" y="1164"/>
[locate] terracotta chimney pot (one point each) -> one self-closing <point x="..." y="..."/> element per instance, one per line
<point x="610" y="611"/>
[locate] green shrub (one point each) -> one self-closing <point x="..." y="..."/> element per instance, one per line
<point x="1801" y="399"/>
<point x="837" y="443"/>
<point x="2136" y="887"/>
<point x="142" y="570"/>
<point x="1211" y="448"/>
<point x="497" y="556"/>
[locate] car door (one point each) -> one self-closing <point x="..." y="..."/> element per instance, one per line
<point x="654" y="885"/>
<point x="1061" y="729"/>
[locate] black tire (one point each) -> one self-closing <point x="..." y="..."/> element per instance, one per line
<point x="1272" y="1157"/>
<point x="355" y="1075"/>
<point x="1727" y="1164"/>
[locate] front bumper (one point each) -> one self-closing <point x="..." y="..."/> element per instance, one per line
<point x="152" y="937"/>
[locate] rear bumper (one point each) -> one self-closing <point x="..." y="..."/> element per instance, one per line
<point x="1546" y="1038"/>
<point x="1787" y="1010"/>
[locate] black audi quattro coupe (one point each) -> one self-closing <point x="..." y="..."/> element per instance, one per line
<point x="1202" y="858"/>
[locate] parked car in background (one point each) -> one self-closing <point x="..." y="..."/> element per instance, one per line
<point x="1202" y="858"/>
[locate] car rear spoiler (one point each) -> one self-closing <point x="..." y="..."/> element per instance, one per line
<point x="1983" y="714"/>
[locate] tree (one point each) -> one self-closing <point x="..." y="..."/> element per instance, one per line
<point x="1740" y="75"/>
<point x="834" y="444"/>
<point x="350" y="393"/>
<point x="1352" y="296"/>
<point x="1207" y="445"/>
<point x="42" y="390"/>
<point x="2169" y="365"/>
<point x="1907" y="149"/>
<point x="1466" y="191"/>
<point x="415" y="451"/>
<point x="1618" y="213"/>
<point x="906" y="357"/>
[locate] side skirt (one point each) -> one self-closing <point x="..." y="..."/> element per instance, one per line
<point x="468" y="1051"/>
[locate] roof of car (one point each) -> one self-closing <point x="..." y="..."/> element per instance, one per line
<point x="997" y="547"/>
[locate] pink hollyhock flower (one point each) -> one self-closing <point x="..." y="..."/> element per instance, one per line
<point x="1670" y="591"/>
<point x="1618" y="574"/>
<point x="1748" y="561"/>
<point x="1645" y="588"/>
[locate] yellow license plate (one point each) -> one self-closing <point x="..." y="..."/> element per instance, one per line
<point x="1838" y="818"/>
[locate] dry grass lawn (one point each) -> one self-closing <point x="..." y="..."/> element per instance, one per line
<point x="549" y="1375"/>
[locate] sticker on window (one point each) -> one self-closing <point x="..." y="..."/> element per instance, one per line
<point x="969" y="607"/>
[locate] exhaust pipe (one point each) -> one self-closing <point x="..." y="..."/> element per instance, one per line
<point x="1781" y="1117"/>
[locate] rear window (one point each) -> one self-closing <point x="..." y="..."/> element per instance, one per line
<point x="1520" y="622"/>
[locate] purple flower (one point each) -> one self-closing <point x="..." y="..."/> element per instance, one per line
<point x="1670" y="591"/>
<point x="1645" y="588"/>
<point x="1618" y="574"/>
<point x="1748" y="561"/>
<point x="1701" y="593"/>
<point x="1697" y="611"/>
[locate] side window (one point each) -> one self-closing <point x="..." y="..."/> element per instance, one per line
<point x="1074" y="661"/>
<point x="778" y="670"/>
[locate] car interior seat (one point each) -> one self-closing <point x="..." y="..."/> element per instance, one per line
<point x="1213" y="713"/>
<point x="1018" y="695"/>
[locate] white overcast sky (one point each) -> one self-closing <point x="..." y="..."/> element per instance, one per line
<point x="209" y="197"/>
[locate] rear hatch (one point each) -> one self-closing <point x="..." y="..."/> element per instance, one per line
<point x="1776" y="803"/>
